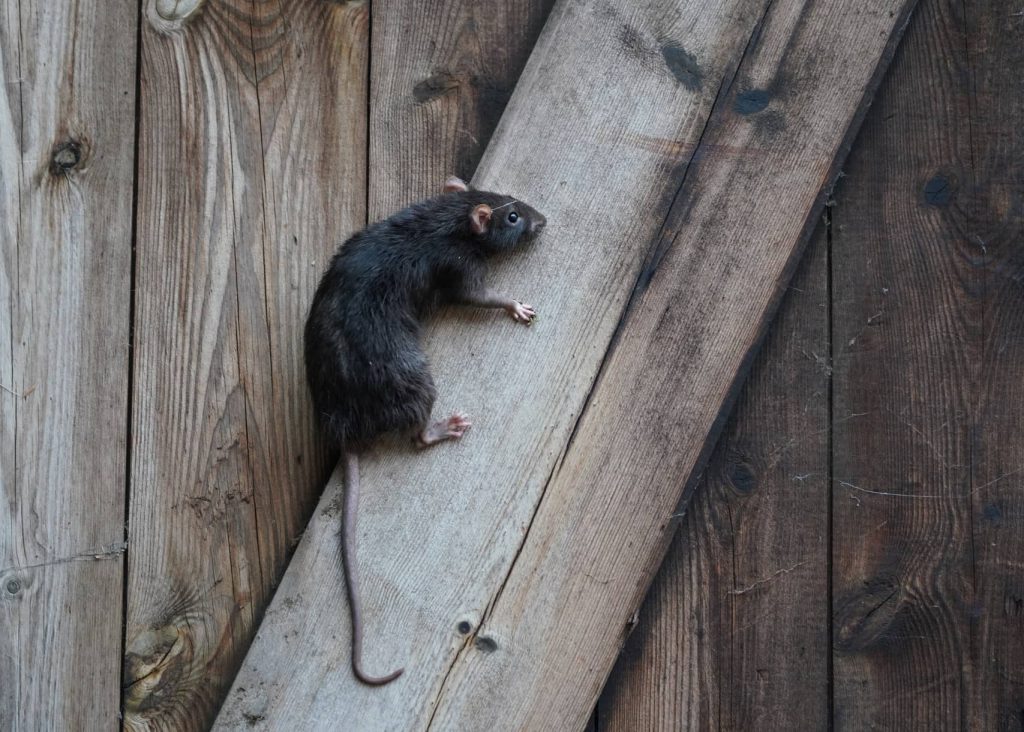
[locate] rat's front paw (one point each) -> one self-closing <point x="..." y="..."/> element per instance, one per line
<point x="521" y="313"/>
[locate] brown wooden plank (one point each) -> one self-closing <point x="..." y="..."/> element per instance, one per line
<point x="995" y="214"/>
<point x="67" y="104"/>
<point x="610" y="109"/>
<point x="734" y="632"/>
<point x="251" y="166"/>
<point x="442" y="72"/>
<point x="906" y="323"/>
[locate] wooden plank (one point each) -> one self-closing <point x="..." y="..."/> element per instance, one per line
<point x="252" y="165"/>
<point x="481" y="506"/>
<point x="906" y="325"/>
<point x="938" y="225"/>
<point x="734" y="632"/>
<point x="67" y="102"/>
<point x="593" y="145"/>
<point x="442" y="72"/>
<point x="994" y="205"/>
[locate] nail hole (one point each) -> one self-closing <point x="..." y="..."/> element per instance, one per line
<point x="464" y="627"/>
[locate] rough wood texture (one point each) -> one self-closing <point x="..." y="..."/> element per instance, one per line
<point x="927" y="333"/>
<point x="701" y="305"/>
<point x="442" y="72"/>
<point x="606" y="173"/>
<point x="251" y="167"/>
<point x="734" y="632"/>
<point x="995" y="225"/>
<point x="67" y="98"/>
<point x="462" y="510"/>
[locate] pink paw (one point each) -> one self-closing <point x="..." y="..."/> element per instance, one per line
<point x="447" y="429"/>
<point x="456" y="425"/>
<point x="521" y="313"/>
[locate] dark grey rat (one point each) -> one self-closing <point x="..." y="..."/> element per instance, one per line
<point x="367" y="372"/>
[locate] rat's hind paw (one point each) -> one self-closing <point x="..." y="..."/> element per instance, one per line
<point x="447" y="429"/>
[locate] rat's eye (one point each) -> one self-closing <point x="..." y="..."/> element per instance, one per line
<point x="513" y="217"/>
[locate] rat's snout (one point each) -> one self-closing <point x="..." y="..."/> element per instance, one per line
<point x="538" y="223"/>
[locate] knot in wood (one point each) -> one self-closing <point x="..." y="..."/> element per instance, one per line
<point x="170" y="16"/>
<point x="13" y="587"/>
<point x="869" y="615"/>
<point x="176" y="10"/>
<point x="159" y="664"/>
<point x="435" y="86"/>
<point x="940" y="189"/>
<point x="486" y="644"/>
<point x="66" y="157"/>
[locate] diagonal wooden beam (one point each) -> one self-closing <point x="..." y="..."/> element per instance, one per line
<point x="678" y="151"/>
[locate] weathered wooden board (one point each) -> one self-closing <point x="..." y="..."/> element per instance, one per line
<point x="994" y="204"/>
<point x="252" y="165"/>
<point x="734" y="632"/>
<point x="904" y="325"/>
<point x="442" y="72"/>
<point x="67" y="100"/>
<point x="927" y="332"/>
<point x="598" y="134"/>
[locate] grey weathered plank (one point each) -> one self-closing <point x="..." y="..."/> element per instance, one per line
<point x="734" y="632"/>
<point x="607" y="114"/>
<point x="441" y="74"/>
<point x="67" y="99"/>
<point x="252" y="161"/>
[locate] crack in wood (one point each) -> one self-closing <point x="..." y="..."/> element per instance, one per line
<point x="113" y="550"/>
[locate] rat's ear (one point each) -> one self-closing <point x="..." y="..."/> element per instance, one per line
<point x="480" y="219"/>
<point x="455" y="185"/>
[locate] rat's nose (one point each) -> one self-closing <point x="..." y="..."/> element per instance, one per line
<point x="538" y="224"/>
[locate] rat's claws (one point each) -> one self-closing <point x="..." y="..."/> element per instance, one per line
<point x="521" y="313"/>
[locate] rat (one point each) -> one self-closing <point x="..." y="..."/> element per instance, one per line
<point x="367" y="372"/>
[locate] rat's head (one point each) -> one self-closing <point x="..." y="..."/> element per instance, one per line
<point x="496" y="221"/>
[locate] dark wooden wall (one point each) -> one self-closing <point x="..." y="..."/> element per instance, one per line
<point x="852" y="557"/>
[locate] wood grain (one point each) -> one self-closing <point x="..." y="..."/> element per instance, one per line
<point x="701" y="306"/>
<point x="598" y="134"/>
<point x="252" y="163"/>
<point x="441" y="75"/>
<point x="67" y="98"/>
<point x="734" y="631"/>
<point x="927" y="592"/>
<point x="906" y="327"/>
<point x="442" y="72"/>
<point x="995" y="216"/>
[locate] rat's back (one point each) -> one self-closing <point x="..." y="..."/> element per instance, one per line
<point x="367" y="373"/>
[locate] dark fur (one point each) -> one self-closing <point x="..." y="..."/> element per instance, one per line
<point x="367" y="373"/>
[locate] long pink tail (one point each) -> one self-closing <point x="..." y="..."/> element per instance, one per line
<point x="348" y="541"/>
